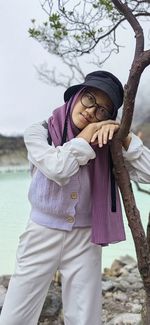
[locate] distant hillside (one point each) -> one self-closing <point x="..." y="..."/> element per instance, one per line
<point x="144" y="132"/>
<point x="12" y="151"/>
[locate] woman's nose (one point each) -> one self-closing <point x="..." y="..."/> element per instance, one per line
<point x="91" y="110"/>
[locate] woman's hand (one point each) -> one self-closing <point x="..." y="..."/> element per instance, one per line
<point x="99" y="132"/>
<point x="105" y="133"/>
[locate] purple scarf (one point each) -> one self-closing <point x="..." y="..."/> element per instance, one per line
<point x="107" y="226"/>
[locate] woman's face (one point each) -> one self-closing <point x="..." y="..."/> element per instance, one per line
<point x="92" y="105"/>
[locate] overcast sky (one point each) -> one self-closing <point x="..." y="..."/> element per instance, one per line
<point x="24" y="98"/>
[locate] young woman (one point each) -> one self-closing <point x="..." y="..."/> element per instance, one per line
<point x="75" y="203"/>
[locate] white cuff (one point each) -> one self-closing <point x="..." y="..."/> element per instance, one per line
<point x="135" y="148"/>
<point x="81" y="150"/>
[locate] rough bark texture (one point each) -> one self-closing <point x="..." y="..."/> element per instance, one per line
<point x="146" y="310"/>
<point x="140" y="62"/>
<point x="148" y="231"/>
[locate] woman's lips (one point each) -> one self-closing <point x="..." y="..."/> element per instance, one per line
<point x="85" y="118"/>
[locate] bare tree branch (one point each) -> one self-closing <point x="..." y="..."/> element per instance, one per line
<point x="58" y="78"/>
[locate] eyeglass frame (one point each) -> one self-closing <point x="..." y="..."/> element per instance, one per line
<point x="96" y="105"/>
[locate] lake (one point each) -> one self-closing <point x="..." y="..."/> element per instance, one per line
<point x="14" y="213"/>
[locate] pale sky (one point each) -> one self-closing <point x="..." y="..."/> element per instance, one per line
<point x="24" y="98"/>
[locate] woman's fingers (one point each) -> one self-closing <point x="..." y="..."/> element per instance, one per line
<point x="100" y="124"/>
<point x="111" y="133"/>
<point x="105" y="134"/>
<point x="95" y="135"/>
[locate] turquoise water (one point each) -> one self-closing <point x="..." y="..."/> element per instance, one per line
<point x="14" y="213"/>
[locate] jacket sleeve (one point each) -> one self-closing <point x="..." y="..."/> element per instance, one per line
<point x="137" y="160"/>
<point x="56" y="163"/>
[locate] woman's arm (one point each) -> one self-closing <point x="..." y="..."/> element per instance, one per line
<point x="57" y="163"/>
<point x="136" y="155"/>
<point x="60" y="163"/>
<point x="137" y="159"/>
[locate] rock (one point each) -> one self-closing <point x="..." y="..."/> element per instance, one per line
<point x="127" y="260"/>
<point x="53" y="304"/>
<point x="107" y="285"/>
<point x="136" y="301"/>
<point x="120" y="296"/>
<point x="123" y="285"/>
<point x="136" y="308"/>
<point x="2" y="295"/>
<point x="108" y="294"/>
<point x="133" y="307"/>
<point x="4" y="280"/>
<point x="130" y="267"/>
<point x="142" y="301"/>
<point x="122" y="292"/>
<point x="136" y="285"/>
<point x="132" y="278"/>
<point x="116" y="267"/>
<point x="124" y="272"/>
<point x="126" y="319"/>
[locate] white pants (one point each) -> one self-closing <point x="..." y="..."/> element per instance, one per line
<point x="40" y="253"/>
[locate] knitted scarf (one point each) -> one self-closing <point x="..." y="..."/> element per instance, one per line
<point x="107" y="223"/>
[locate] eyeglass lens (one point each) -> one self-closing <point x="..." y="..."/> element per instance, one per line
<point x="88" y="100"/>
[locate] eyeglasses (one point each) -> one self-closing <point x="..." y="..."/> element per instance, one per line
<point x="88" y="100"/>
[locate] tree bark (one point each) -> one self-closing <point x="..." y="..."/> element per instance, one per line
<point x="140" y="61"/>
<point x="148" y="231"/>
<point x="146" y="310"/>
<point x="132" y="213"/>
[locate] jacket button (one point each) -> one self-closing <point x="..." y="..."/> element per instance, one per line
<point x="70" y="219"/>
<point x="74" y="195"/>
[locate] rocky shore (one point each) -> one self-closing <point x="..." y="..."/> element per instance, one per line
<point x="13" y="152"/>
<point x="122" y="290"/>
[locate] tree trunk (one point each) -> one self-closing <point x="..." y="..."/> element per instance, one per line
<point x="140" y="62"/>
<point x="146" y="309"/>
<point x="134" y="222"/>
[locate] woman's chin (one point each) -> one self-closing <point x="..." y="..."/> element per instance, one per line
<point x="80" y="124"/>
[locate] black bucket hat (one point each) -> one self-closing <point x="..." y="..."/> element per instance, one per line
<point x="104" y="81"/>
